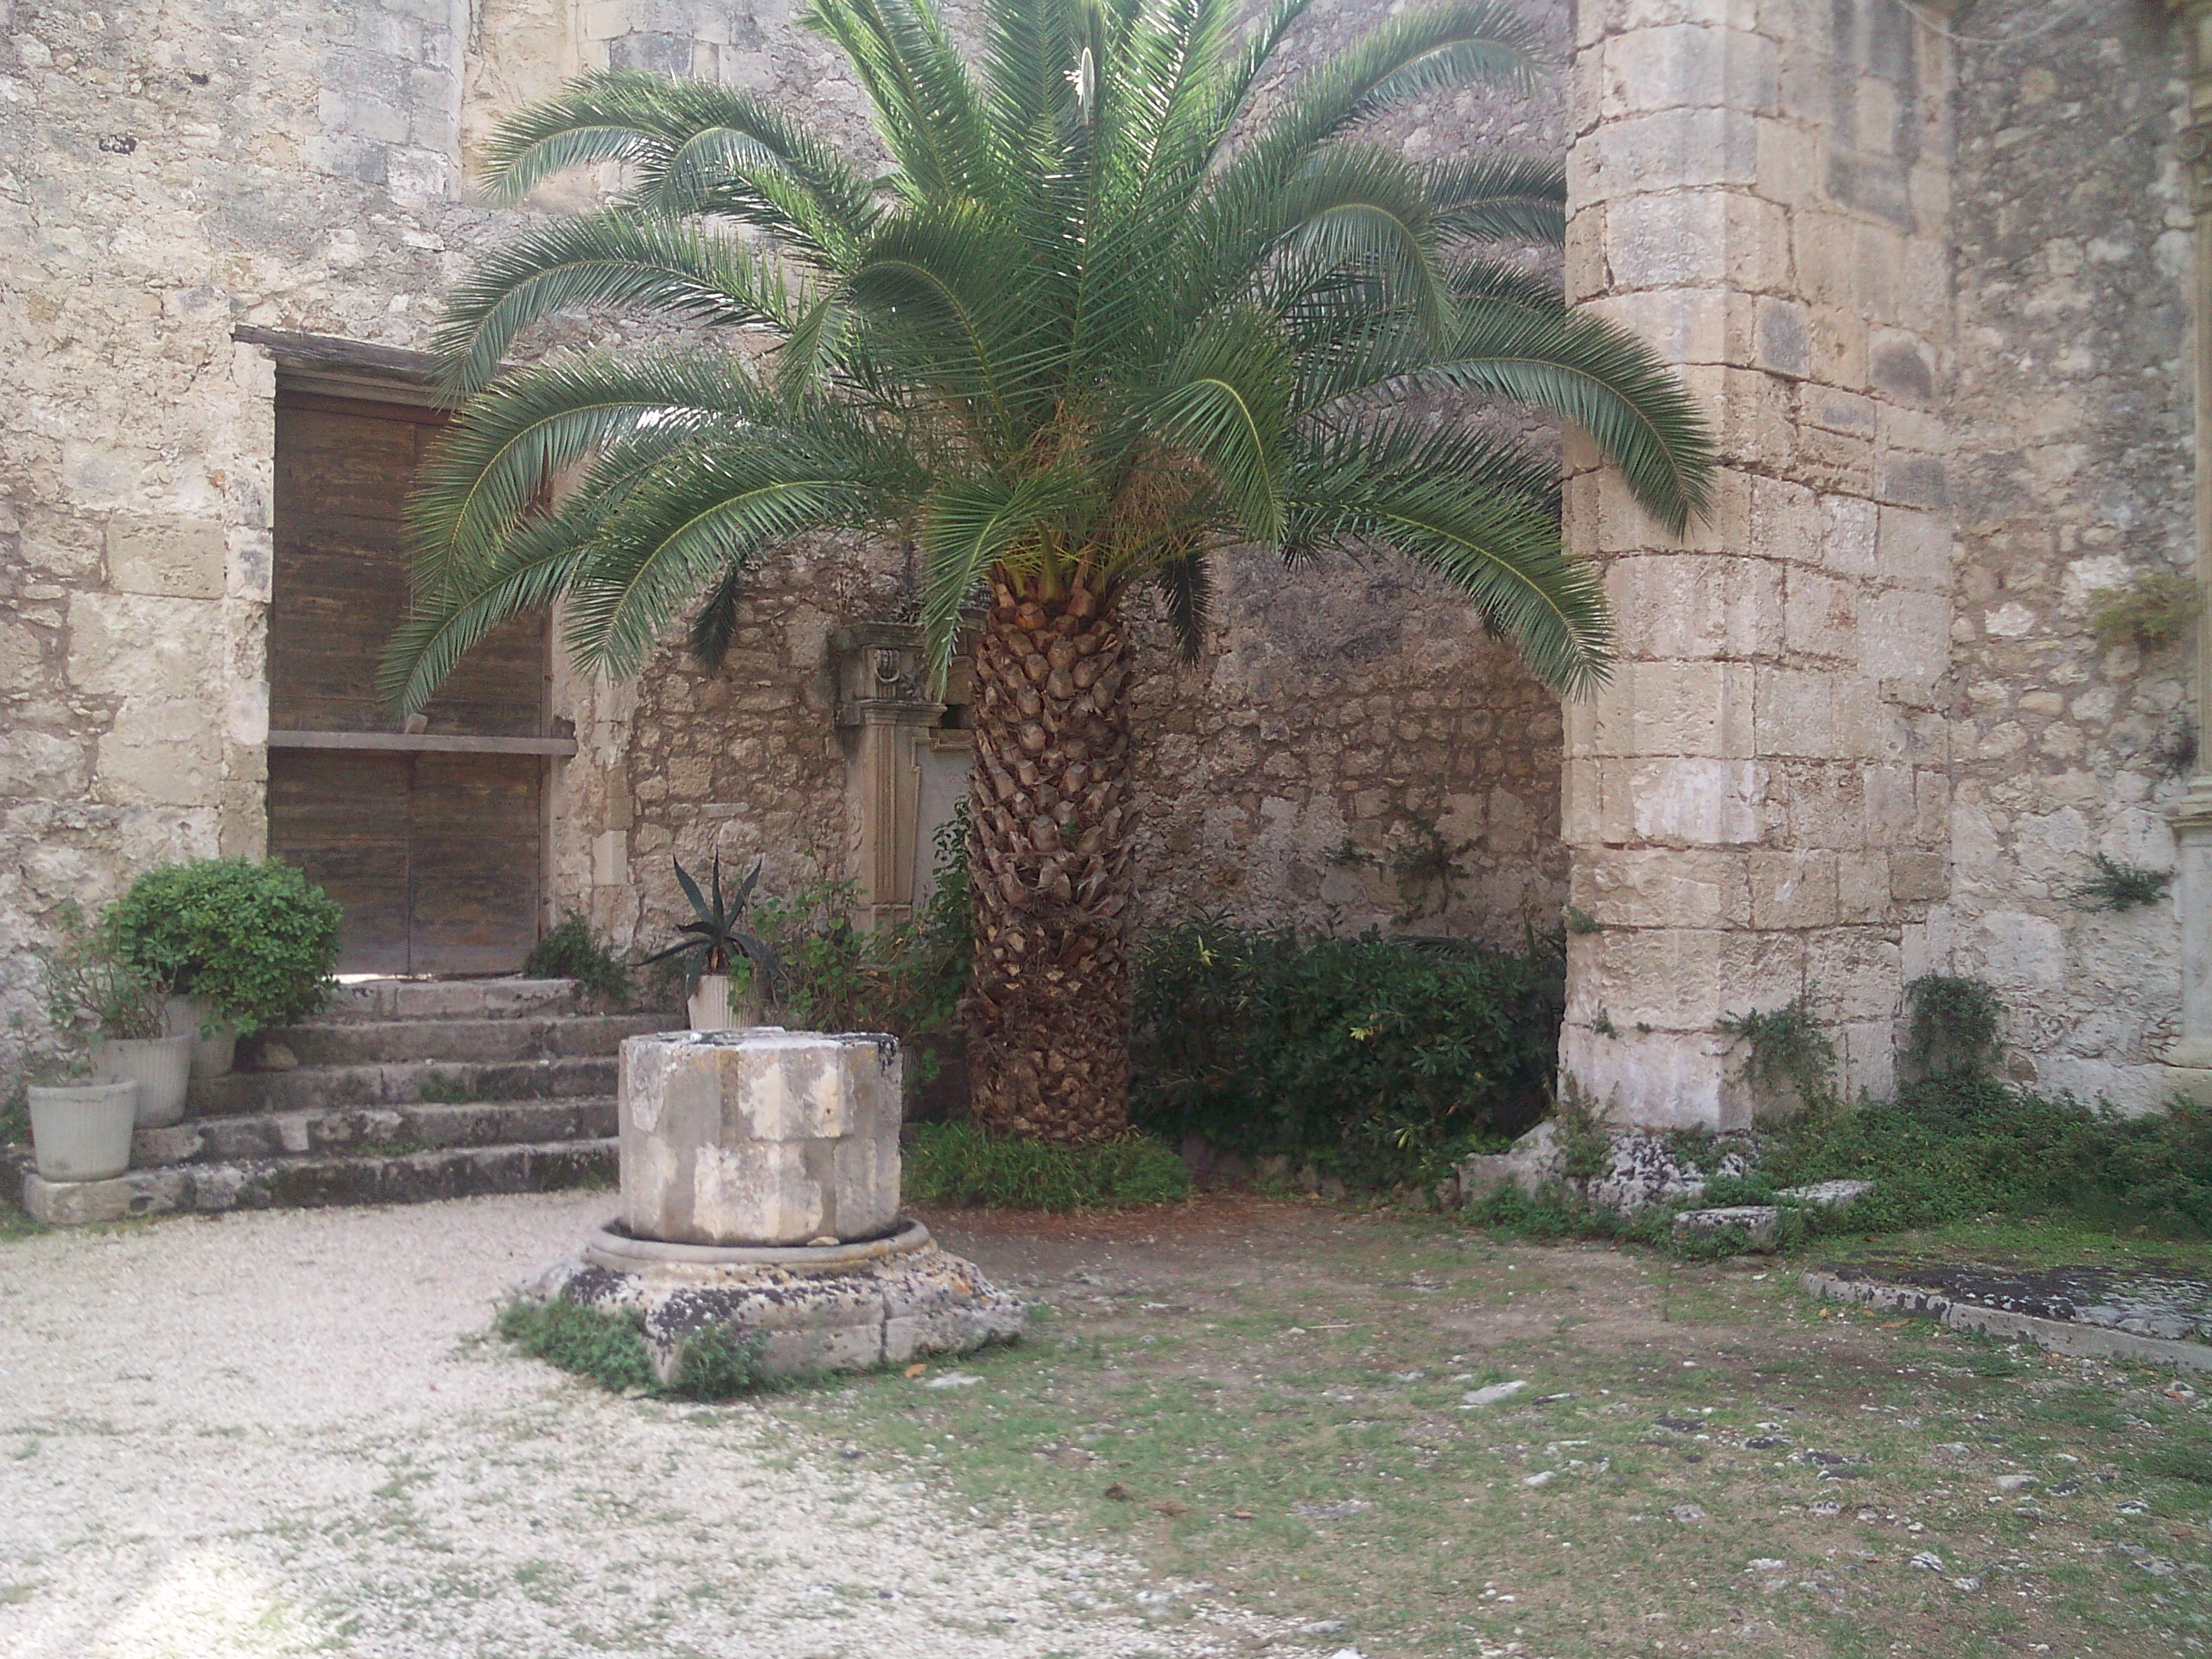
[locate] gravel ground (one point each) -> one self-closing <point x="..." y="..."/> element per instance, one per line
<point x="284" y="1432"/>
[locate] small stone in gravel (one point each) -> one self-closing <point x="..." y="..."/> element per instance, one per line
<point x="1338" y="1511"/>
<point x="1766" y="1442"/>
<point x="1543" y="1479"/>
<point x="953" y="1380"/>
<point x="1551" y="1398"/>
<point x="2014" y="1483"/>
<point x="1686" y="1513"/>
<point x="1679" y="1425"/>
<point x="1824" y="1509"/>
<point x="1492" y="1394"/>
<point x="1768" y="1564"/>
<point x="1929" y="1559"/>
<point x="1969" y="1584"/>
<point x="1324" y="1627"/>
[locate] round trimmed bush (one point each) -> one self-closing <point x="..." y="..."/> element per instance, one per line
<point x="256" y="940"/>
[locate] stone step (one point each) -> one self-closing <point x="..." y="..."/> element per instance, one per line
<point x="401" y="1083"/>
<point x="310" y="1182"/>
<point x="510" y="998"/>
<point x="527" y="1037"/>
<point x="385" y="1131"/>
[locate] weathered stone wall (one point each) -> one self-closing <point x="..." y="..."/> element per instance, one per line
<point x="170" y="173"/>
<point x="2072" y="473"/>
<point x="1757" y="804"/>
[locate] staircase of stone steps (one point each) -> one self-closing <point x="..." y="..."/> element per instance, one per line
<point x="399" y="1092"/>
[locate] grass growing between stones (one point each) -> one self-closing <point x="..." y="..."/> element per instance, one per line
<point x="609" y="1348"/>
<point x="1274" y="1397"/>
<point x="956" y="1164"/>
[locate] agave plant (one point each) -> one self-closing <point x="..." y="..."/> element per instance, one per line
<point x="1128" y="296"/>
<point x="712" y="942"/>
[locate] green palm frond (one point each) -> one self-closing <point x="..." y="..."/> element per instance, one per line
<point x="1131" y="293"/>
<point x="623" y="259"/>
<point x="1404" y="489"/>
<point x="684" y="143"/>
<point x="500" y="453"/>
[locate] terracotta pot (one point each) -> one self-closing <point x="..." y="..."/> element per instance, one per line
<point x="82" y="1131"/>
<point x="160" y="1066"/>
<point x="194" y="1016"/>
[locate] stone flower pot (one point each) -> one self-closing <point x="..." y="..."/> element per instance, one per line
<point x="82" y="1131"/>
<point x="718" y="1005"/>
<point x="160" y="1066"/>
<point x="193" y="1017"/>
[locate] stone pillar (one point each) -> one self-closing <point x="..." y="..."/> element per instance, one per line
<point x="2190" y="1060"/>
<point x="883" y="714"/>
<point x="1757" y="804"/>
<point x="759" y="1137"/>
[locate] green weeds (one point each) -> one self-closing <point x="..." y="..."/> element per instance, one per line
<point x="609" y="1348"/>
<point x="957" y="1164"/>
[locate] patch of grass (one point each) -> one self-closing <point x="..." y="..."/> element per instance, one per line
<point x="717" y="1362"/>
<point x="958" y="1166"/>
<point x="1274" y="1400"/>
<point x="2154" y="609"/>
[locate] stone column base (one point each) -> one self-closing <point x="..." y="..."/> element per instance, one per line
<point x="834" y="1308"/>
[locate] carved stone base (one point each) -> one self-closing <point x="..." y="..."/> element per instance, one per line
<point x="836" y="1307"/>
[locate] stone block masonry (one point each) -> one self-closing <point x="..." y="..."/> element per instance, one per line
<point x="1757" y="803"/>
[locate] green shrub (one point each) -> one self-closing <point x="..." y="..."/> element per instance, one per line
<point x="1957" y="1029"/>
<point x="255" y="939"/>
<point x="906" y="980"/>
<point x="958" y="1165"/>
<point x="609" y="1346"/>
<point x="1378" y="1060"/>
<point x="1962" y="1146"/>
<point x="574" y="951"/>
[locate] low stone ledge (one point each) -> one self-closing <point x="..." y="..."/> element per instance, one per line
<point x="2059" y="1336"/>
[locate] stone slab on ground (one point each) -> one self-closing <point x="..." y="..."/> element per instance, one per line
<point x="2089" y="1311"/>
<point x="317" y="1182"/>
<point x="1640" y="1170"/>
<point x="842" y="1308"/>
<point x="282" y="1434"/>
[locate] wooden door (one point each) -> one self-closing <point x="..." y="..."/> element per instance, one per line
<point x="435" y="855"/>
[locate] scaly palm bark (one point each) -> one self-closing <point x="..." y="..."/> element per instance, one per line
<point x="1050" y="814"/>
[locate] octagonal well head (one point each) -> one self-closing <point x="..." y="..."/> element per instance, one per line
<point x="760" y="1136"/>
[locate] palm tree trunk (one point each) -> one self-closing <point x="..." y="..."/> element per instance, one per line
<point x="1048" y="1013"/>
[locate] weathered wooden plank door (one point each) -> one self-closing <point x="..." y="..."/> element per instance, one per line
<point x="435" y="857"/>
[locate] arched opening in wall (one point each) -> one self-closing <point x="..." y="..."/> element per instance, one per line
<point x="431" y="837"/>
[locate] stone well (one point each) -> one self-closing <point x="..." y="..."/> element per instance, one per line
<point x="761" y="1190"/>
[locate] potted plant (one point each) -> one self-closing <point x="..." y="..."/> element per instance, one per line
<point x="239" y="945"/>
<point x="712" y="945"/>
<point x="115" y="1072"/>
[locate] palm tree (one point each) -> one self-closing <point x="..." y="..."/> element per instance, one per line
<point x="1124" y="300"/>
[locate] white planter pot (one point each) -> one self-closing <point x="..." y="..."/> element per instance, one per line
<point x="191" y="1016"/>
<point x="709" y="1004"/>
<point x="82" y="1131"/>
<point x="160" y="1066"/>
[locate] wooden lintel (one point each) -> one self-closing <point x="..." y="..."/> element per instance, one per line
<point x="422" y="743"/>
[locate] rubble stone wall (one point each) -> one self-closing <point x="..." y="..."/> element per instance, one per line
<point x="2072" y="473"/>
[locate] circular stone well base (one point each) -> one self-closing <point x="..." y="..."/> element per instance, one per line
<point x="833" y="1307"/>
